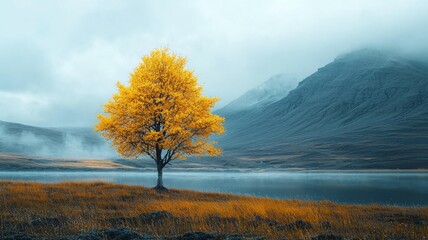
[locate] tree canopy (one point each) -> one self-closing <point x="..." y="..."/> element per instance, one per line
<point x="162" y="113"/>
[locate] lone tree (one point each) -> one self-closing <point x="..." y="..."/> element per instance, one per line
<point x="161" y="114"/>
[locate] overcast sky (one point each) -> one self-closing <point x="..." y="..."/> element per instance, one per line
<point x="60" y="60"/>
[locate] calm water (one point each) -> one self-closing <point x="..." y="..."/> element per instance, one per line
<point x="392" y="188"/>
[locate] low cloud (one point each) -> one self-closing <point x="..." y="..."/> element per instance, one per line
<point x="60" y="60"/>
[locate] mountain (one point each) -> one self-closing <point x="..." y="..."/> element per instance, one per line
<point x="68" y="142"/>
<point x="366" y="109"/>
<point x="268" y="92"/>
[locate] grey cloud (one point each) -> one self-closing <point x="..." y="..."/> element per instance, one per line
<point x="75" y="51"/>
<point x="23" y="66"/>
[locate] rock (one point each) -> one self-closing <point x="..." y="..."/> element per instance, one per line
<point x="14" y="235"/>
<point x="297" y="225"/>
<point x="258" y="220"/>
<point x="325" y="225"/>
<point x="46" y="221"/>
<point x="217" y="220"/>
<point x="121" y="220"/>
<point x="233" y="238"/>
<point x="113" y="233"/>
<point x="121" y="233"/>
<point x="88" y="236"/>
<point x="197" y="236"/>
<point x="211" y="236"/>
<point x="327" y="237"/>
<point x="401" y="218"/>
<point x="155" y="217"/>
<point x="420" y="222"/>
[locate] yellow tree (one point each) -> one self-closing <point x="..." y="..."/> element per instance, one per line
<point x="161" y="113"/>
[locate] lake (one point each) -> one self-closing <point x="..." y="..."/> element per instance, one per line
<point x="387" y="188"/>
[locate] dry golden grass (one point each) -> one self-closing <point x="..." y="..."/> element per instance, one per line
<point x="85" y="206"/>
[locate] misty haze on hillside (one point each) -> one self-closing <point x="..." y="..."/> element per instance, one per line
<point x="67" y="143"/>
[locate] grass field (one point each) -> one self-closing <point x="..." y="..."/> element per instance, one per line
<point x="65" y="209"/>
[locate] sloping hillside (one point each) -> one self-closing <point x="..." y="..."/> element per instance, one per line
<point x="366" y="109"/>
<point x="72" y="142"/>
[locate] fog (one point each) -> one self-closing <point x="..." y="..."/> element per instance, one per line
<point x="60" y="60"/>
<point x="54" y="143"/>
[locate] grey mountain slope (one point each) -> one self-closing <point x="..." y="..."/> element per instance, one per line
<point x="366" y="109"/>
<point x="270" y="91"/>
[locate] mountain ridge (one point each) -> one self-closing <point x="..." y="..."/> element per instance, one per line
<point x="270" y="91"/>
<point x="356" y="98"/>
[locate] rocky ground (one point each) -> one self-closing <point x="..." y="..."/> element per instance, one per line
<point x="158" y="217"/>
<point x="127" y="234"/>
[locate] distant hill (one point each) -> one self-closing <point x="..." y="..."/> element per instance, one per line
<point x="366" y="109"/>
<point x="70" y="142"/>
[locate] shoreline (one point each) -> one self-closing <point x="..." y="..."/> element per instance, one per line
<point x="337" y="187"/>
<point x="220" y="170"/>
<point x="68" y="182"/>
<point x="18" y="163"/>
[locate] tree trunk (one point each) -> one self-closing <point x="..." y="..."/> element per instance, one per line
<point x="159" y="186"/>
<point x="160" y="180"/>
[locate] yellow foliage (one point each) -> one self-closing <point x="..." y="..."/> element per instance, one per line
<point x="162" y="113"/>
